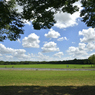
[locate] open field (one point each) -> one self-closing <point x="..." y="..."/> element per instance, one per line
<point x="47" y="78"/>
<point x="14" y="82"/>
<point x="47" y="82"/>
<point x="46" y="66"/>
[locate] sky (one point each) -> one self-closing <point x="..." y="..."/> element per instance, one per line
<point x="68" y="39"/>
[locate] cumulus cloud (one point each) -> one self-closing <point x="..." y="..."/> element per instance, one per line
<point x="90" y="46"/>
<point x="52" y="34"/>
<point x="50" y="47"/>
<point x="59" y="54"/>
<point x="88" y="38"/>
<point x="88" y="35"/>
<point x="65" y="20"/>
<point x="62" y="38"/>
<point x="42" y="57"/>
<point x="11" y="53"/>
<point x="79" y="51"/>
<point x="4" y="50"/>
<point x="82" y="46"/>
<point x="32" y="41"/>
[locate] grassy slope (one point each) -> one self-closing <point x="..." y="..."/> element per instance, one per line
<point x="46" y="66"/>
<point x="47" y="78"/>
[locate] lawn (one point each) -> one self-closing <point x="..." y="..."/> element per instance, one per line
<point x="13" y="82"/>
<point x="46" y="78"/>
<point x="46" y="66"/>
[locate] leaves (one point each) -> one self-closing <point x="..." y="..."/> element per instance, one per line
<point x="10" y="21"/>
<point x="88" y="12"/>
<point x="92" y="59"/>
<point x="41" y="13"/>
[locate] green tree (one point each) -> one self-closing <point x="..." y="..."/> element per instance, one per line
<point x="92" y="59"/>
<point x="10" y="21"/>
<point x="41" y="12"/>
<point x="88" y="12"/>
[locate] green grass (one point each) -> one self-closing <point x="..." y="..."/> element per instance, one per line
<point x="46" y="78"/>
<point x="46" y="66"/>
<point x="13" y="82"/>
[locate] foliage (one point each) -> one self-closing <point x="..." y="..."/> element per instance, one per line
<point x="92" y="59"/>
<point x="10" y="21"/>
<point x="41" y="13"/>
<point x="88" y="12"/>
<point x="77" y="61"/>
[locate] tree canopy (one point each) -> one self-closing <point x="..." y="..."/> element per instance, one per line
<point x="92" y="59"/>
<point x="41" y="12"/>
<point x="10" y="21"/>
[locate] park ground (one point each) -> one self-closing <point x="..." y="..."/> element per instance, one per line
<point x="29" y="82"/>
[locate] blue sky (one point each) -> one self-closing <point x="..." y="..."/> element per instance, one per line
<point x="68" y="39"/>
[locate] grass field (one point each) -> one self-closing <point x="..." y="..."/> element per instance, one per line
<point x="46" y="66"/>
<point x="47" y="78"/>
<point x="14" y="82"/>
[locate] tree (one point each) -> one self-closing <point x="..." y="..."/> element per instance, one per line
<point x="41" y="12"/>
<point x="10" y="21"/>
<point x="88" y="12"/>
<point x="92" y="59"/>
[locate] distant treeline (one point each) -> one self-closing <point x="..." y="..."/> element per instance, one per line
<point x="75" y="61"/>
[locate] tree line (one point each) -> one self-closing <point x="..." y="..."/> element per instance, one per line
<point x="75" y="61"/>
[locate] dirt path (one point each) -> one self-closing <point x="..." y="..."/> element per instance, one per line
<point x="47" y="69"/>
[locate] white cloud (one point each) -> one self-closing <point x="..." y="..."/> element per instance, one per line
<point x="88" y="38"/>
<point x="42" y="57"/>
<point x="78" y="52"/>
<point x="0" y="54"/>
<point x="82" y="46"/>
<point x="88" y="35"/>
<point x="62" y="38"/>
<point x="19" y="40"/>
<point x="9" y="56"/>
<point x="27" y="22"/>
<point x="20" y="8"/>
<point x="50" y="47"/>
<point x="7" y="0"/>
<point x="90" y="46"/>
<point x="13" y="54"/>
<point x="4" y="50"/>
<point x="65" y="20"/>
<point x="32" y="41"/>
<point x="52" y="34"/>
<point x="59" y="54"/>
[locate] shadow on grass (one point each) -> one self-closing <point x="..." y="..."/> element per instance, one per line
<point x="50" y="90"/>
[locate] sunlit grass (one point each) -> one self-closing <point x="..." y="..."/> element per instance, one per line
<point x="46" y="78"/>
